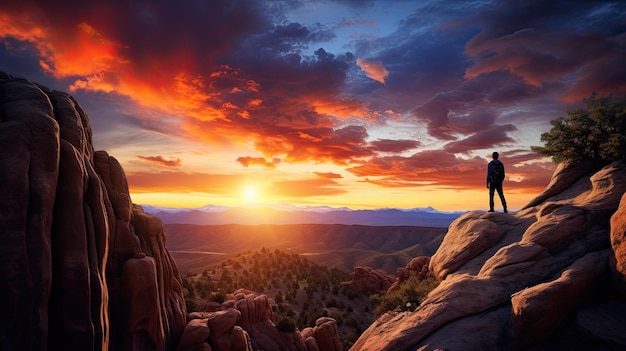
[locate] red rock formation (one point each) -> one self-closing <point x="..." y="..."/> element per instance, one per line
<point x="81" y="268"/>
<point x="325" y="335"/>
<point x="618" y="244"/>
<point x="245" y="323"/>
<point x="533" y="279"/>
<point x="417" y="267"/>
<point x="368" y="281"/>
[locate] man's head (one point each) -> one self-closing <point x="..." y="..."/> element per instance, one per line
<point x="495" y="155"/>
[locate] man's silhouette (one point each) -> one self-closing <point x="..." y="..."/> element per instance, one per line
<point x="495" y="177"/>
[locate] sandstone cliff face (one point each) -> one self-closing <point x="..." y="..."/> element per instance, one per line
<point x="81" y="268"/>
<point x="551" y="276"/>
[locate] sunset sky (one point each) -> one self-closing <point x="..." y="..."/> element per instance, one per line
<point x="362" y="104"/>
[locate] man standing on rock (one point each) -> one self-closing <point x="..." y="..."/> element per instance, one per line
<point x="495" y="177"/>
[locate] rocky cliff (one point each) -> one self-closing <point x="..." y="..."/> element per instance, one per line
<point x="81" y="268"/>
<point x="549" y="277"/>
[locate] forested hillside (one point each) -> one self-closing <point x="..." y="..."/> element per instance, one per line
<point x="299" y="290"/>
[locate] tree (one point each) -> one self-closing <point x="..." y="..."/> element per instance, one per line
<point x="596" y="132"/>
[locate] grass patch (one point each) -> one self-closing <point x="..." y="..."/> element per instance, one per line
<point x="410" y="295"/>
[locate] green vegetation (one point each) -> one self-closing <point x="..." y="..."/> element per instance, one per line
<point x="596" y="132"/>
<point x="410" y="295"/>
<point x="299" y="291"/>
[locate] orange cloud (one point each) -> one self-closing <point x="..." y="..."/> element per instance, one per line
<point x="81" y="51"/>
<point x="249" y="161"/>
<point x="306" y="188"/>
<point x="161" y="161"/>
<point x="328" y="175"/>
<point x="183" y="182"/>
<point x="373" y="69"/>
<point x="542" y="57"/>
<point x="445" y="170"/>
<point x="293" y="114"/>
<point x="342" y="108"/>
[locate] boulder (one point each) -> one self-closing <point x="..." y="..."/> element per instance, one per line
<point x="196" y="333"/>
<point x="368" y="281"/>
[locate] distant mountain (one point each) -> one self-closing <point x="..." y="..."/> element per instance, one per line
<point x="198" y="247"/>
<point x="290" y="214"/>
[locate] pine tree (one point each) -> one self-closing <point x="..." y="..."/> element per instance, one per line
<point x="596" y="132"/>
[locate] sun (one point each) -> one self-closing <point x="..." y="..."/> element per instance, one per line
<point x="250" y="194"/>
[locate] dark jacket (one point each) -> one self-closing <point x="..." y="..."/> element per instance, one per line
<point x="489" y="169"/>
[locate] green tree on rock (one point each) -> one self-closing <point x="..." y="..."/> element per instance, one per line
<point x="596" y="132"/>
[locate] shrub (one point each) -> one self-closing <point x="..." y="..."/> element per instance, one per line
<point x="218" y="296"/>
<point x="286" y="325"/>
<point x="596" y="132"/>
<point x="191" y="305"/>
<point x="410" y="294"/>
<point x="352" y="337"/>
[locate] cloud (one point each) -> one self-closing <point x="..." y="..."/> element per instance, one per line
<point x="339" y="146"/>
<point x="523" y="56"/>
<point x="467" y="72"/>
<point x="296" y="189"/>
<point x="394" y="146"/>
<point x="460" y="111"/>
<point x="161" y="160"/>
<point x="328" y="175"/>
<point x="244" y="75"/>
<point x="436" y="168"/>
<point x="582" y="54"/>
<point x="260" y="161"/>
<point x="373" y="69"/>
<point x="541" y="57"/>
<point x="484" y="139"/>
<point x="183" y="182"/>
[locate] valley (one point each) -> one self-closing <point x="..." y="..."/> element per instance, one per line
<point x="301" y="268"/>
<point x="340" y="246"/>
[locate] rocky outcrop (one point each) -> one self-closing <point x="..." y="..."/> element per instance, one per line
<point x="367" y="281"/>
<point x="81" y="267"/>
<point x="536" y="279"/>
<point x="417" y="267"/>
<point x="244" y="323"/>
<point x="618" y="245"/>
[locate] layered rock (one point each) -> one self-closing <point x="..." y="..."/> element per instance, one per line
<point x="529" y="280"/>
<point x="81" y="268"/>
<point x="367" y="281"/>
<point x="244" y="323"/>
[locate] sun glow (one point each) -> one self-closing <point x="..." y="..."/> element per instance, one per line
<point x="250" y="194"/>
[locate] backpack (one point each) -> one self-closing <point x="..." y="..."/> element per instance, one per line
<point x="497" y="172"/>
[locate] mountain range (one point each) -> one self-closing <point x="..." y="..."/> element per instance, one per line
<point x="291" y="214"/>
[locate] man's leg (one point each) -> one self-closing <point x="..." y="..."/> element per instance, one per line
<point x="502" y="199"/>
<point x="491" y="190"/>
